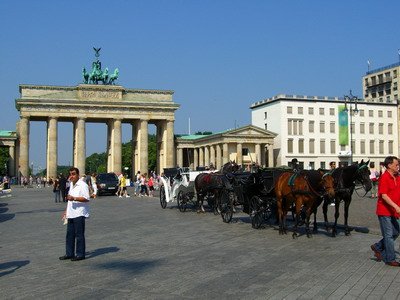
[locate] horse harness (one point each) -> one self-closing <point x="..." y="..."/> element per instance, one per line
<point x="302" y="192"/>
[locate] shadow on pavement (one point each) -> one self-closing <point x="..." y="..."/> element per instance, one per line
<point x="101" y="251"/>
<point x="10" y="267"/>
<point x="50" y="210"/>
<point x="3" y="216"/>
<point x="133" y="267"/>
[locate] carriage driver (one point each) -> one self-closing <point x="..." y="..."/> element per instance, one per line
<point x="295" y="165"/>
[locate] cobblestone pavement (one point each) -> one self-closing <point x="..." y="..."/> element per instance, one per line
<point x="137" y="250"/>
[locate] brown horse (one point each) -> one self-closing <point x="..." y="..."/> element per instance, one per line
<point x="305" y="189"/>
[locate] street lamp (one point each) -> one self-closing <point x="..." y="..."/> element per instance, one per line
<point x="349" y="101"/>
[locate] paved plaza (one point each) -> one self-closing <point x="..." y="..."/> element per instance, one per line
<point x="137" y="250"/>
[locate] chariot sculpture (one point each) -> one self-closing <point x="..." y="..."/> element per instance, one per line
<point x="97" y="75"/>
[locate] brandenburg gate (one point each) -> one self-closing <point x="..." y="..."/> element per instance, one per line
<point x="107" y="103"/>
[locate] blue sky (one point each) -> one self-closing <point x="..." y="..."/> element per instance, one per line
<point x="218" y="56"/>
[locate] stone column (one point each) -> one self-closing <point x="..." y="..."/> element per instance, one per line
<point x="219" y="157"/>
<point x="23" y="132"/>
<point x="11" y="161"/>
<point x="225" y="153"/>
<point x="170" y="147"/>
<point x="161" y="145"/>
<point x="52" y="147"/>
<point x="239" y="153"/>
<point x="271" y="156"/>
<point x="201" y="157"/>
<point x="110" y="126"/>
<point x="80" y="146"/>
<point x="206" y="156"/>
<point x="179" y="157"/>
<point x="212" y="155"/>
<point x="195" y="158"/>
<point x="117" y="147"/>
<point x="135" y="165"/>
<point x="258" y="154"/>
<point x="143" y="147"/>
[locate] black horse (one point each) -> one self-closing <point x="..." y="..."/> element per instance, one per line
<point x="345" y="183"/>
<point x="210" y="186"/>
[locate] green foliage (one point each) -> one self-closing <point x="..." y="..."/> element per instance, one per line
<point x="97" y="162"/>
<point x="203" y="133"/>
<point x="4" y="155"/>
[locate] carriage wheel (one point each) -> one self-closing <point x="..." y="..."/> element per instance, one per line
<point x="256" y="215"/>
<point x="226" y="206"/>
<point x="163" y="198"/>
<point x="181" y="202"/>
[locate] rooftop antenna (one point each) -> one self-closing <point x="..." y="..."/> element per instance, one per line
<point x="369" y="64"/>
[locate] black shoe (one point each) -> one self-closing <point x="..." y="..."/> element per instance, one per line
<point x="77" y="258"/>
<point x="65" y="257"/>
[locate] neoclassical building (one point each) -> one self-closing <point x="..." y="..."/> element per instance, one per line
<point x="245" y="145"/>
<point x="9" y="139"/>
<point x="109" y="104"/>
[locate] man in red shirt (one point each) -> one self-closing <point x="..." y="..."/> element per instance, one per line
<point x="388" y="211"/>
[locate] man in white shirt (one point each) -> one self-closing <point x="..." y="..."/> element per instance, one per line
<point x="77" y="211"/>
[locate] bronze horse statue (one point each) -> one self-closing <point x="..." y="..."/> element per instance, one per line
<point x="210" y="185"/>
<point x="305" y="190"/>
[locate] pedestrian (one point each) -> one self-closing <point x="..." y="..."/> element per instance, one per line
<point x="388" y="211"/>
<point x="119" y="191"/>
<point x="77" y="211"/>
<point x="56" y="190"/>
<point x="63" y="187"/>
<point x="150" y="183"/>
<point x="374" y="176"/>
<point x="94" y="186"/>
<point x="137" y="183"/>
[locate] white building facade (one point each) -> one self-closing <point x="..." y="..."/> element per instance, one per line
<point x="308" y="129"/>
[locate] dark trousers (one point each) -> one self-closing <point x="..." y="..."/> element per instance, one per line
<point x="75" y="232"/>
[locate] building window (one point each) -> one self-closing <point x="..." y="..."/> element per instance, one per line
<point x="361" y="112"/>
<point x="300" y="110"/>
<point x="353" y="127"/>
<point x="332" y="127"/>
<point x="322" y="127"/>
<point x="353" y="146"/>
<point x="311" y="110"/>
<point x="312" y="146"/>
<point x="266" y="126"/>
<point x="390" y="144"/>
<point x="301" y="145"/>
<point x="394" y="73"/>
<point x="300" y="122"/>
<point x="321" y="111"/>
<point x="362" y="147"/>
<point x="342" y="147"/>
<point x="333" y="146"/>
<point x="245" y="151"/>
<point x="390" y="128"/>
<point x="323" y="165"/>
<point x="332" y="111"/>
<point x="372" y="147"/>
<point x="289" y="110"/>
<point x="371" y="128"/>
<point x="265" y="115"/>
<point x="312" y="165"/>
<point x="381" y="147"/>
<point x="362" y="128"/>
<point x="311" y="126"/>
<point x="370" y="113"/>
<point x="380" y="113"/>
<point x="389" y="113"/>
<point x="290" y="126"/>
<point x="290" y="145"/>
<point x="322" y="146"/>
<point x="380" y="128"/>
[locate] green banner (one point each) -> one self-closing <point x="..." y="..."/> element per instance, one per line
<point x="343" y="126"/>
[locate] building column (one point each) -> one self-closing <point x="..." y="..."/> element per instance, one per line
<point x="143" y="147"/>
<point x="195" y="158"/>
<point x="79" y="145"/>
<point x="225" y="153"/>
<point x="134" y="158"/>
<point x="206" y="156"/>
<point x="117" y="146"/>
<point x="270" y="156"/>
<point x="52" y="147"/>
<point x="212" y="155"/>
<point x="11" y="161"/>
<point x="219" y="157"/>
<point x="170" y="147"/>
<point x="109" y="151"/>
<point x="160" y="134"/>
<point x="201" y="157"/>
<point x="179" y="157"/>
<point x="239" y="154"/>
<point x="258" y="155"/>
<point x="23" y="160"/>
